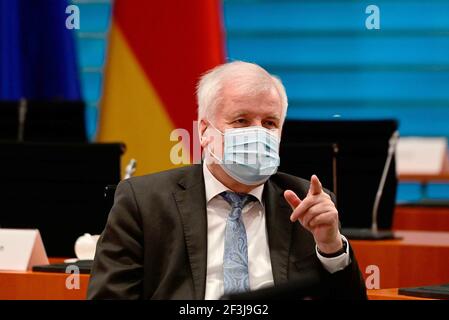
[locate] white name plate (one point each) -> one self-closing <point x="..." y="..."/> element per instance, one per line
<point x="21" y="249"/>
<point x="419" y="155"/>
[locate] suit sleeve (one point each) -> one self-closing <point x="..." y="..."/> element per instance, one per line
<point x="347" y="283"/>
<point x="117" y="271"/>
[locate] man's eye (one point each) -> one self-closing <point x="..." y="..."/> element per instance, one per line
<point x="240" y="121"/>
<point x="270" y="124"/>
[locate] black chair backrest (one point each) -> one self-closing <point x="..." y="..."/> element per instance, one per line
<point x="362" y="152"/>
<point x="305" y="159"/>
<point x="9" y="120"/>
<point x="43" y="121"/>
<point x="58" y="189"/>
<point x="109" y="193"/>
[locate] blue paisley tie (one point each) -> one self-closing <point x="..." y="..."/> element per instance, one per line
<point x="235" y="259"/>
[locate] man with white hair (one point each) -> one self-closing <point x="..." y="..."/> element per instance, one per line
<point x="232" y="224"/>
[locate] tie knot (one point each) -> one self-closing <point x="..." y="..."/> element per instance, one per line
<point x="237" y="200"/>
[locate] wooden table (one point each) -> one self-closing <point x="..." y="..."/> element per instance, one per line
<point x="51" y="286"/>
<point x="407" y="217"/>
<point x="29" y="285"/>
<point x="419" y="258"/>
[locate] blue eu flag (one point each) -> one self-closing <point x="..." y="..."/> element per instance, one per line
<point x="37" y="51"/>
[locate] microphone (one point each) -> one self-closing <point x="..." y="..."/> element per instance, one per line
<point x="334" y="170"/>
<point x="373" y="233"/>
<point x="391" y="149"/>
<point x="130" y="169"/>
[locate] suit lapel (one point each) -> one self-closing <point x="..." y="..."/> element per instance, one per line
<point x="279" y="230"/>
<point x="191" y="201"/>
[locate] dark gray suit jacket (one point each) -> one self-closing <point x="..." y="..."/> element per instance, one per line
<point x="154" y="245"/>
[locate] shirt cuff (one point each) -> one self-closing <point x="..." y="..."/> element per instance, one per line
<point x="333" y="265"/>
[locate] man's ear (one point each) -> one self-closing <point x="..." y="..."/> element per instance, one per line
<point x="202" y="127"/>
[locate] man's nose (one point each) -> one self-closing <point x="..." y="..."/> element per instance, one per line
<point x="256" y="123"/>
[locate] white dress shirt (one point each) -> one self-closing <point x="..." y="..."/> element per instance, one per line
<point x="253" y="215"/>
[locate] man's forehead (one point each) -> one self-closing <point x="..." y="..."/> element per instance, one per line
<point x="236" y="102"/>
<point x="266" y="97"/>
<point x="237" y="92"/>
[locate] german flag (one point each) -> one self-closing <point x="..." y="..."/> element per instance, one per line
<point x="157" y="51"/>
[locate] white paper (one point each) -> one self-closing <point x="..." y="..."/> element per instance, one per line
<point x="420" y="155"/>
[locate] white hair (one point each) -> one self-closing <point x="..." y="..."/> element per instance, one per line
<point x="247" y="78"/>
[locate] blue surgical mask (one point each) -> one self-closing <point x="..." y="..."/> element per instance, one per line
<point x="250" y="154"/>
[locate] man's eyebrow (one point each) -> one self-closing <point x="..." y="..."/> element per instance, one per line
<point x="274" y="117"/>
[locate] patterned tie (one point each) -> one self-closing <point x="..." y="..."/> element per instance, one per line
<point x="235" y="259"/>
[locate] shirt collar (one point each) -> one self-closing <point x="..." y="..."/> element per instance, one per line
<point x="214" y="187"/>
